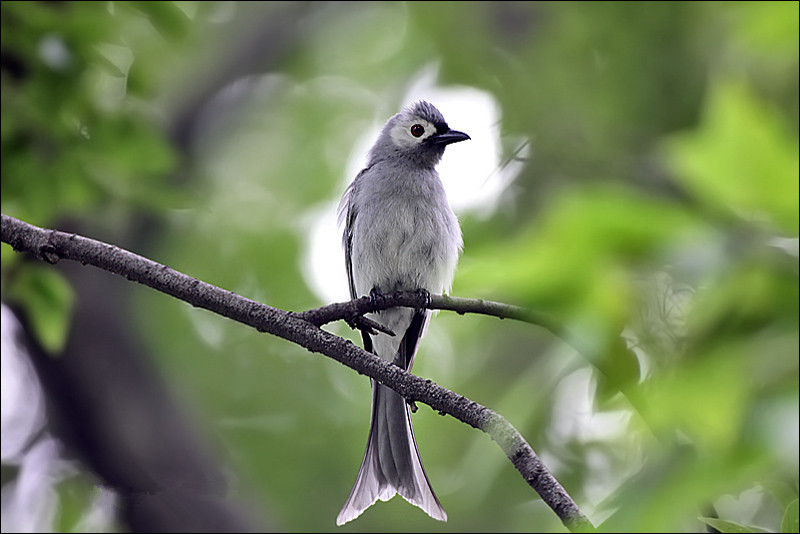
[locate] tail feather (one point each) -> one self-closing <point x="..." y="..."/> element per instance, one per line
<point x="391" y="461"/>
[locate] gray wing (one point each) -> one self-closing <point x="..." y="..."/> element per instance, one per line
<point x="348" y="249"/>
<point x="347" y="214"/>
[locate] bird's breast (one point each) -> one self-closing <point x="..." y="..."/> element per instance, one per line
<point x="410" y="242"/>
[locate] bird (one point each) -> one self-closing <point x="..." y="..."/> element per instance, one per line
<point x="400" y="234"/>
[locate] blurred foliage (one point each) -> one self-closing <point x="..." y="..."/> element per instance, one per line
<point x="48" y="298"/>
<point x="655" y="216"/>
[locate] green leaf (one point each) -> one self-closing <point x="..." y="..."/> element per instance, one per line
<point x="742" y="158"/>
<point x="791" y="522"/>
<point x="75" y="496"/>
<point x="782" y="492"/>
<point x="8" y="257"/>
<point x="578" y="252"/>
<point x="48" y="299"/>
<point x="728" y="526"/>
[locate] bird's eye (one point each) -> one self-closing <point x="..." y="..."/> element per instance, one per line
<point x="417" y="130"/>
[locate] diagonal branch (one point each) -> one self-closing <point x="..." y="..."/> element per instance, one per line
<point x="302" y="328"/>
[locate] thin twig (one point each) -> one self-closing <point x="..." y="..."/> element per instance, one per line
<point x="412" y="299"/>
<point x="51" y="246"/>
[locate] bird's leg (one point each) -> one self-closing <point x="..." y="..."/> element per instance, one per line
<point x="365" y="324"/>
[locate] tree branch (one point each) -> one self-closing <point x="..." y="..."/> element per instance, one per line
<point x="303" y="329"/>
<point x="412" y="299"/>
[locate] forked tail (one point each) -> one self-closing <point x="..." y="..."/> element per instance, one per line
<point x="391" y="462"/>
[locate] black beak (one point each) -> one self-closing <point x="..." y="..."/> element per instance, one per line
<point x="448" y="137"/>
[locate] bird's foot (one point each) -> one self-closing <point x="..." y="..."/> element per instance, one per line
<point x="367" y="325"/>
<point x="425" y="295"/>
<point x="376" y="298"/>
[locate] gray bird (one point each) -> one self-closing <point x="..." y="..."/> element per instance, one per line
<point x="400" y="235"/>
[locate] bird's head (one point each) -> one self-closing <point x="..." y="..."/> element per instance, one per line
<point x="417" y="135"/>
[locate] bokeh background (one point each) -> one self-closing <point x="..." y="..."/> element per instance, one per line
<point x="633" y="173"/>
